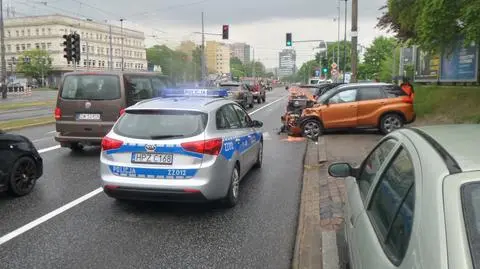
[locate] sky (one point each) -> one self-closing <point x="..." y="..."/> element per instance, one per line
<point x="260" y="23"/>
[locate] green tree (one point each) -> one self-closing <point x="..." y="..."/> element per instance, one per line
<point x="333" y="51"/>
<point x="39" y="64"/>
<point x="174" y="63"/>
<point x="307" y="70"/>
<point x="380" y="51"/>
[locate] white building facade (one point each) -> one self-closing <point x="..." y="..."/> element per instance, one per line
<point x="46" y="33"/>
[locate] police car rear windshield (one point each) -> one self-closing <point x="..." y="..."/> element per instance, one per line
<point x="161" y="124"/>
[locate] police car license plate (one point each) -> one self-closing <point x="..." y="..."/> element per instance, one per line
<point x="88" y="116"/>
<point x="152" y="158"/>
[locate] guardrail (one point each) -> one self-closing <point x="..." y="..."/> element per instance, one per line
<point x="19" y="91"/>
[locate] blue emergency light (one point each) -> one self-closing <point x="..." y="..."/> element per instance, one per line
<point x="195" y="93"/>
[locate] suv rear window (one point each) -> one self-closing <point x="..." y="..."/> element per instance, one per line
<point x="393" y="91"/>
<point x="91" y="87"/>
<point x="161" y="124"/>
<point x="470" y="194"/>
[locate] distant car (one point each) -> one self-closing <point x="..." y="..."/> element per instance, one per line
<point x="259" y="93"/>
<point x="414" y="200"/>
<point x="20" y="164"/>
<point x="239" y="93"/>
<point x="375" y="105"/>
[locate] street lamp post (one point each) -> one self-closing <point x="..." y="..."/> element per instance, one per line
<point x="121" y="27"/>
<point x="345" y="44"/>
<point x="3" y="76"/>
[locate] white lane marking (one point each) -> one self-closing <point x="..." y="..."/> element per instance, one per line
<point x="51" y="132"/>
<point x="48" y="216"/>
<point x="73" y="203"/>
<point x="267" y="105"/>
<point x="49" y="149"/>
<point x="266" y="136"/>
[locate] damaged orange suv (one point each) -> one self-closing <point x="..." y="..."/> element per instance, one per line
<point x="360" y="105"/>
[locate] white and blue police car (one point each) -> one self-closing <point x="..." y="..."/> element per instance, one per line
<point x="190" y="145"/>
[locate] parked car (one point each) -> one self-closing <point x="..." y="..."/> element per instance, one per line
<point x="239" y="93"/>
<point x="320" y="89"/>
<point x="259" y="93"/>
<point x="20" y="164"/>
<point x="413" y="202"/>
<point x="89" y="103"/>
<point x="375" y="105"/>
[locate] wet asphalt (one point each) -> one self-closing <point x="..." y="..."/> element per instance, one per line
<point x="103" y="233"/>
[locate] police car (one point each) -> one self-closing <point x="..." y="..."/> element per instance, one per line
<point x="188" y="145"/>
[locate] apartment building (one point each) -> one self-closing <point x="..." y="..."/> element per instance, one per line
<point x="218" y="58"/>
<point x="46" y="33"/>
<point x="241" y="51"/>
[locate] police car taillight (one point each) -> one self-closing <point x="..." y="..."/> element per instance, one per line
<point x="211" y="146"/>
<point x="122" y="111"/>
<point x="110" y="143"/>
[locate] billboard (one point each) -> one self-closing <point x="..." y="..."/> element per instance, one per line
<point x="427" y="66"/>
<point x="461" y="64"/>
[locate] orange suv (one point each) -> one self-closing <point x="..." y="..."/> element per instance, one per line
<point x="360" y="105"/>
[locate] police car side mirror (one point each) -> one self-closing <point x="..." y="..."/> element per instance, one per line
<point x="257" y="124"/>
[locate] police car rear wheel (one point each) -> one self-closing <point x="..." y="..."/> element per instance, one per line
<point x="232" y="195"/>
<point x="259" y="162"/>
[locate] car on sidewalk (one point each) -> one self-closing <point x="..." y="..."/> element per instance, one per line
<point x="414" y="200"/>
<point x="89" y="103"/>
<point x="239" y="93"/>
<point x="20" y="164"/>
<point x="375" y="105"/>
<point x="199" y="149"/>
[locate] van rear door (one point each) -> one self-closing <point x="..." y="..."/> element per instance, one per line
<point x="88" y="105"/>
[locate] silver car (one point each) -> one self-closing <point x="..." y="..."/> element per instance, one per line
<point x="415" y="201"/>
<point x="181" y="149"/>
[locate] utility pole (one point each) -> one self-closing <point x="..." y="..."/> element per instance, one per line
<point x="2" y="55"/>
<point x="345" y="45"/>
<point x="202" y="57"/>
<point x="253" y="64"/>
<point x="121" y="27"/>
<point x="338" y="37"/>
<point x="354" y="39"/>
<point x="111" y="47"/>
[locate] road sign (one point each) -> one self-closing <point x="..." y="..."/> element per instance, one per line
<point x="317" y="73"/>
<point x="334" y="72"/>
<point x="334" y="66"/>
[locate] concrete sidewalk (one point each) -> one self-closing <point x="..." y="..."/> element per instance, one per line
<point x="320" y="240"/>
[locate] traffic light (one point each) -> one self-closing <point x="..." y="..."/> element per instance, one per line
<point x="76" y="47"/>
<point x="225" y="32"/>
<point x="289" y="39"/>
<point x="324" y="63"/>
<point x="325" y="70"/>
<point x="68" y="47"/>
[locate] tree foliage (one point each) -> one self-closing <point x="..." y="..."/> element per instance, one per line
<point x="175" y="64"/>
<point x="380" y="51"/>
<point x="333" y="51"/>
<point x="239" y="69"/>
<point x="39" y="63"/>
<point x="435" y="25"/>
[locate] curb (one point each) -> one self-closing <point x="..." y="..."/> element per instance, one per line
<point x="29" y="125"/>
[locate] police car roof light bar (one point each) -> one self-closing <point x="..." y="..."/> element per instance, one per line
<point x="195" y="93"/>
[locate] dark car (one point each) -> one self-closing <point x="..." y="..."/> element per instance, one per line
<point x="259" y="93"/>
<point x="20" y="164"/>
<point x="321" y="89"/>
<point x="239" y="93"/>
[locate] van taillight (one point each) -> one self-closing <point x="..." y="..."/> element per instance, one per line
<point x="58" y="113"/>
<point x="211" y="146"/>
<point x="110" y="143"/>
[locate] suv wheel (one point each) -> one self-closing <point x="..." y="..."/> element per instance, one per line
<point x="259" y="99"/>
<point x="23" y="176"/>
<point x="312" y="128"/>
<point x="264" y="98"/>
<point x="390" y="122"/>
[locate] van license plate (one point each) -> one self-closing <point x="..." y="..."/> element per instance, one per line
<point x="88" y="116"/>
<point x="152" y="158"/>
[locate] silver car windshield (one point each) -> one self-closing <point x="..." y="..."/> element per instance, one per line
<point x="161" y="124"/>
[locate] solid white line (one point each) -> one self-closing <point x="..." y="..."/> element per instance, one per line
<point x="49" y="149"/>
<point x="265" y="106"/>
<point x="73" y="203"/>
<point x="48" y="216"/>
<point x="51" y="132"/>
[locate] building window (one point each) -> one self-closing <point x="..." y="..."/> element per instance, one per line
<point x="8" y="33"/>
<point x="49" y="45"/>
<point x="28" y="46"/>
<point x="23" y="32"/>
<point x="43" y="31"/>
<point x="93" y="63"/>
<point x="43" y="46"/>
<point x="18" y="33"/>
<point x="83" y="48"/>
<point x="37" y="45"/>
<point x="28" y="32"/>
<point x="37" y="31"/>
<point x="17" y="47"/>
<point x="9" y="48"/>
<point x="84" y="62"/>
<point x="49" y="31"/>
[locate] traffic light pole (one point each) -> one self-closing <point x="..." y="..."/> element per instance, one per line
<point x="3" y="75"/>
